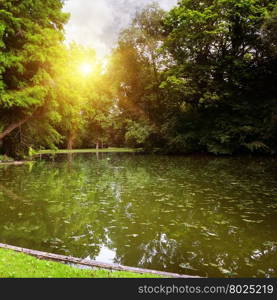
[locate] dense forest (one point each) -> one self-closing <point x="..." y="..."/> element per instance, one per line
<point x="199" y="78"/>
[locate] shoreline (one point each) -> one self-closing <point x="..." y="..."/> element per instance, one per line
<point x="14" y="163"/>
<point x="91" y="263"/>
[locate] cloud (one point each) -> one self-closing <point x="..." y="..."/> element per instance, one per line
<point x="96" y="23"/>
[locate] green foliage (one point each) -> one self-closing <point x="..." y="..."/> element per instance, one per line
<point x="223" y="72"/>
<point x="270" y="30"/>
<point x="31" y="37"/>
<point x="137" y="134"/>
<point x="199" y="78"/>
<point x="134" y="73"/>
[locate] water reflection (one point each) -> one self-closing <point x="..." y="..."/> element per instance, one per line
<point x="194" y="215"/>
<point x="105" y="255"/>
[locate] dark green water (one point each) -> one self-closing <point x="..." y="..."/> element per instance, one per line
<point x="194" y="215"/>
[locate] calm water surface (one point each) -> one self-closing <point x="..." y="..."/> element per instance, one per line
<point x="202" y="216"/>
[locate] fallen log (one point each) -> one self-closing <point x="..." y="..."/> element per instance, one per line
<point x="91" y="263"/>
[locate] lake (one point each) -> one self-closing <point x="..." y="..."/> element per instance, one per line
<point x="194" y="215"/>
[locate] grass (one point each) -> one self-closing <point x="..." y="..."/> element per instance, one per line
<point x="106" y="150"/>
<point x="19" y="265"/>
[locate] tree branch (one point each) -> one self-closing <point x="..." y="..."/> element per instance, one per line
<point x="13" y="126"/>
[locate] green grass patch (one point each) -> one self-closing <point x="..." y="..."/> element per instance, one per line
<point x="19" y="265"/>
<point x="106" y="150"/>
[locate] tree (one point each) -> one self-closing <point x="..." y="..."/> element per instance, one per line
<point x="30" y="39"/>
<point x="134" y="72"/>
<point x="222" y="77"/>
<point x="73" y="90"/>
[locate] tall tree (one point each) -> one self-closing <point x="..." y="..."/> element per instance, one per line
<point x="73" y="92"/>
<point x="222" y="77"/>
<point x="31" y="34"/>
<point x="135" y="70"/>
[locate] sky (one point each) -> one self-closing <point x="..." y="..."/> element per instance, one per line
<point x="96" y="23"/>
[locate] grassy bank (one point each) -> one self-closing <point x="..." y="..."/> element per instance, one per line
<point x="106" y="150"/>
<point x="18" y="265"/>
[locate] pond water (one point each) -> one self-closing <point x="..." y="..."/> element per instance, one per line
<point x="201" y="216"/>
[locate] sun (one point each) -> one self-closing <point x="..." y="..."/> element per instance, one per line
<point x="86" y="69"/>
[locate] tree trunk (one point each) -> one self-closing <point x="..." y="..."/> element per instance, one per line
<point x="71" y="141"/>
<point x="12" y="127"/>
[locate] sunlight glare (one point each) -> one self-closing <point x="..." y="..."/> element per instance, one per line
<point x="86" y="69"/>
